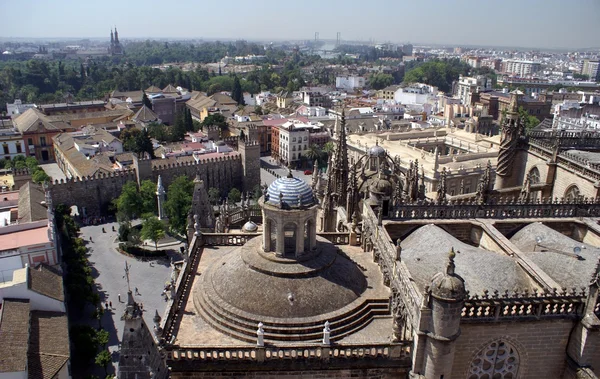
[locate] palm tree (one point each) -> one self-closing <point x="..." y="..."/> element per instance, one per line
<point x="314" y="153"/>
<point x="328" y="148"/>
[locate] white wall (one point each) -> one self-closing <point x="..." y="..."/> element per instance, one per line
<point x="13" y="375"/>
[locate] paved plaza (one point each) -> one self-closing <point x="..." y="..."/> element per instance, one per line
<point x="267" y="178"/>
<point x="149" y="277"/>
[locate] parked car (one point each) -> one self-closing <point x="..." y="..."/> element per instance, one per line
<point x="307" y="172"/>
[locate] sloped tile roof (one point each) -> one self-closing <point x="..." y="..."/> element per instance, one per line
<point x="46" y="281"/>
<point x="153" y="89"/>
<point x="31" y="197"/>
<point x="48" y="344"/>
<point x="34" y="121"/>
<point x="14" y="334"/>
<point x="145" y="114"/>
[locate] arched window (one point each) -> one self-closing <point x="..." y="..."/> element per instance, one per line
<point x="572" y="193"/>
<point x="498" y="360"/>
<point x="534" y="175"/>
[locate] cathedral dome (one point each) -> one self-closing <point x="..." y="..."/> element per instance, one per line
<point x="249" y="227"/>
<point x="296" y="192"/>
<point x="377" y="151"/>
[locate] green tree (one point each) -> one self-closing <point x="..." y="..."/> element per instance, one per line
<point x="236" y="93"/>
<point x="178" y="129"/>
<point x="103" y="359"/>
<point x="143" y="144"/>
<point x="153" y="229"/>
<point x="314" y="153"/>
<point x="215" y="119"/>
<point x="148" y="197"/>
<point x="146" y="101"/>
<point x="179" y="202"/>
<point x="31" y="163"/>
<point x="124" y="230"/>
<point x="102" y="337"/>
<point x="214" y="195"/>
<point x="158" y="131"/>
<point x="40" y="176"/>
<point x="234" y="195"/>
<point x="258" y="110"/>
<point x="129" y="203"/>
<point x="380" y="81"/>
<point x="134" y="238"/>
<point x="528" y="120"/>
<point x="84" y="343"/>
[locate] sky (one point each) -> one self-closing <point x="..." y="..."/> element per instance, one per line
<point x="519" y="23"/>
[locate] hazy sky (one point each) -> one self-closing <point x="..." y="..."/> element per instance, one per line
<point x="525" y="23"/>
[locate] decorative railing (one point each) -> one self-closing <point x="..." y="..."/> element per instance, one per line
<point x="395" y="351"/>
<point x="336" y="238"/>
<point x="183" y="285"/>
<point x="227" y="239"/>
<point x="499" y="208"/>
<point x="241" y="214"/>
<point x="524" y="305"/>
<point x="395" y="273"/>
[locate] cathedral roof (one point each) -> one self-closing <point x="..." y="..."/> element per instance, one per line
<point x="555" y="254"/>
<point x="425" y="253"/>
<point x="296" y="192"/>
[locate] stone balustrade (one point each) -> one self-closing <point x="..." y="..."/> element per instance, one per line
<point x="499" y="208"/>
<point x="227" y="239"/>
<point x="524" y="306"/>
<point x="305" y="351"/>
<point x="336" y="238"/>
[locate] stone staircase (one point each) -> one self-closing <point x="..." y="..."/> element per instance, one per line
<point x="343" y="322"/>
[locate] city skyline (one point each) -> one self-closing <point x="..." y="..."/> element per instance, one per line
<point x="526" y="24"/>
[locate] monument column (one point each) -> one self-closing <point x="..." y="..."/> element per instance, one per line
<point x="160" y="195"/>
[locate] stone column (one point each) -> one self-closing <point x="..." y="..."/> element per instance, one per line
<point x="280" y="248"/>
<point x="299" y="238"/>
<point x="313" y="234"/>
<point x="267" y="235"/>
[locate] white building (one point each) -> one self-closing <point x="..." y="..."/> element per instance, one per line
<point x="294" y="140"/>
<point x="17" y="108"/>
<point x="468" y="85"/>
<point x="307" y="111"/>
<point x="521" y="68"/>
<point x="591" y="69"/>
<point x="349" y="83"/>
<point x="11" y="141"/>
<point x="415" y="94"/>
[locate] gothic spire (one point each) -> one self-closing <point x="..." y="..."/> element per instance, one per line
<point x="112" y="37"/>
<point x="341" y="162"/>
<point x="116" y="36"/>
<point x="441" y="193"/>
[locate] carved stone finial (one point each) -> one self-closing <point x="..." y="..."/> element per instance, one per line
<point x="398" y="249"/>
<point x="451" y="266"/>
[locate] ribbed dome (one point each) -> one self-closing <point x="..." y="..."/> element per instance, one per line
<point x="377" y="151"/>
<point x="291" y="188"/>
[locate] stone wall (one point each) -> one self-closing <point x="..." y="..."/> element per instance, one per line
<point x="541" y="346"/>
<point x="370" y="373"/>
<point x="93" y="193"/>
<point x="223" y="173"/>
<point x="96" y="193"/>
<point x="566" y="177"/>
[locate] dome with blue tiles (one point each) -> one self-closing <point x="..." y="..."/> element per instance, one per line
<point x="296" y="193"/>
<point x="377" y="151"/>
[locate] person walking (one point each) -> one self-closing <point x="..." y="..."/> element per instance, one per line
<point x="119" y="298"/>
